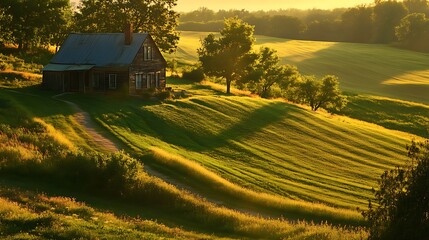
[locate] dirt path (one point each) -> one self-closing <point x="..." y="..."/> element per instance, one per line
<point x="90" y="126"/>
<point x="84" y="119"/>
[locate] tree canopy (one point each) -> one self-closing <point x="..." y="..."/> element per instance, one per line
<point x="402" y="199"/>
<point x="228" y="56"/>
<point x="413" y="31"/>
<point x="369" y="23"/>
<point x="267" y="72"/>
<point x="35" y="22"/>
<point x="324" y="93"/>
<point x="156" y="17"/>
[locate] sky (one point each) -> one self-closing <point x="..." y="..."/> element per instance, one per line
<point x="254" y="5"/>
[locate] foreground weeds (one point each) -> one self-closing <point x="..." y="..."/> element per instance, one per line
<point x="27" y="215"/>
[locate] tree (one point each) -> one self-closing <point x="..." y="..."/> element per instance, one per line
<point x="156" y="17"/>
<point x="417" y="6"/>
<point x="5" y="21"/>
<point x="35" y="21"/>
<point x="402" y="210"/>
<point x="285" y="27"/>
<point x="357" y="24"/>
<point x="387" y="15"/>
<point x="228" y="56"/>
<point x="267" y="72"/>
<point x="413" y="31"/>
<point x="324" y="93"/>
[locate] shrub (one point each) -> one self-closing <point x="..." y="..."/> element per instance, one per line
<point x="195" y="74"/>
<point x="402" y="207"/>
<point x="5" y="66"/>
<point x="163" y="95"/>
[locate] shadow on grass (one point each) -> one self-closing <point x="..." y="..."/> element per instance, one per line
<point x="173" y="134"/>
<point x="363" y="68"/>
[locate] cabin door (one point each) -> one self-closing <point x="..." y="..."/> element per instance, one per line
<point x="74" y="81"/>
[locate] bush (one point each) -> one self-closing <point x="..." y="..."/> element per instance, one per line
<point x="402" y="209"/>
<point x="5" y="66"/>
<point x="194" y="75"/>
<point x="163" y="95"/>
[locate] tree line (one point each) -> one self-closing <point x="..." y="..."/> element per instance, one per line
<point x="384" y="21"/>
<point x="41" y="23"/>
<point x="231" y="57"/>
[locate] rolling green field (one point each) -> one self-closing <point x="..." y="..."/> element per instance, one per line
<point x="263" y="168"/>
<point x="263" y="145"/>
<point x="41" y="144"/>
<point x="362" y="68"/>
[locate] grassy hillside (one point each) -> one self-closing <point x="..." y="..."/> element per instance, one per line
<point x="263" y="145"/>
<point x="390" y="113"/>
<point x="251" y="156"/>
<point x="362" y="68"/>
<point x="30" y="215"/>
<point x="37" y="147"/>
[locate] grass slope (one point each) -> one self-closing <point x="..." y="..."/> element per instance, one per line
<point x="362" y="68"/>
<point x="390" y="113"/>
<point x="29" y="215"/>
<point x="34" y="152"/>
<point x="264" y="145"/>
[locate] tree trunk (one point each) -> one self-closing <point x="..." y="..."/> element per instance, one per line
<point x="228" y="86"/>
<point x="20" y="44"/>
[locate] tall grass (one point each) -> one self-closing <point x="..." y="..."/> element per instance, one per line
<point x="28" y="215"/>
<point x="264" y="202"/>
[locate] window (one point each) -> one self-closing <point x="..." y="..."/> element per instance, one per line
<point x="147" y="52"/>
<point x="150" y="80"/>
<point x="139" y="81"/>
<point x="112" y="81"/>
<point x="144" y="81"/>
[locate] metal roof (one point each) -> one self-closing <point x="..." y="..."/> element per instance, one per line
<point x="66" y="67"/>
<point x="98" y="49"/>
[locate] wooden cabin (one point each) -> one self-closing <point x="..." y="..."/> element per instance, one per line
<point x="118" y="62"/>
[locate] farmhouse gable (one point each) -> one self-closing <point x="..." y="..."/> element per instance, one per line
<point x="126" y="62"/>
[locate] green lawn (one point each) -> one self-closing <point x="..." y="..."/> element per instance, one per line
<point x="362" y="68"/>
<point x="390" y="113"/>
<point x="25" y="148"/>
<point x="263" y="145"/>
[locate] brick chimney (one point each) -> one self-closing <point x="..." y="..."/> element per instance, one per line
<point x="128" y="33"/>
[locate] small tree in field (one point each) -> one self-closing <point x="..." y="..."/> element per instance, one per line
<point x="402" y="210"/>
<point x="228" y="56"/>
<point x="324" y="93"/>
<point x="268" y="72"/>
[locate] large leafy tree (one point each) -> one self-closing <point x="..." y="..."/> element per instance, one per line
<point x="268" y="72"/>
<point x="387" y="15"/>
<point x="156" y="17"/>
<point x="228" y="56"/>
<point x="357" y="24"/>
<point x="413" y="31"/>
<point x="417" y="6"/>
<point x="402" y="209"/>
<point x="35" y="22"/>
<point x="5" y="20"/>
<point x="324" y="93"/>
